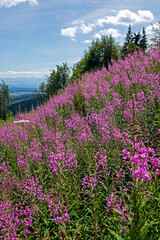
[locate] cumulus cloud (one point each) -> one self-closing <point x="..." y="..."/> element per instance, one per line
<point x="145" y="16"/>
<point x="69" y="32"/>
<point x="126" y="17"/>
<point x="78" y="22"/>
<point x="11" y="3"/>
<point x="122" y="17"/>
<point x="14" y="74"/>
<point x="87" y="29"/>
<point x="149" y="30"/>
<point x="87" y="41"/>
<point x="109" y="31"/>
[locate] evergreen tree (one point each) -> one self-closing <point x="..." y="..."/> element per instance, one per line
<point x="128" y="40"/>
<point x="42" y="91"/>
<point x="57" y="80"/>
<point x="137" y="38"/>
<point x="134" y="42"/>
<point x="143" y="41"/>
<point x="4" y="100"/>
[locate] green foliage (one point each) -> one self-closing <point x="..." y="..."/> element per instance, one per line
<point x="134" y="42"/>
<point x="99" y="54"/>
<point x="66" y="162"/>
<point x="4" y="100"/>
<point x="143" y="40"/>
<point x="79" y="103"/>
<point x="78" y="69"/>
<point x="128" y="39"/>
<point x="57" y="80"/>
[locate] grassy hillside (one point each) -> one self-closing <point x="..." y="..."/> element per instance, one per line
<point x="86" y="165"/>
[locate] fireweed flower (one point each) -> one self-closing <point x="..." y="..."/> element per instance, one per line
<point x="142" y="162"/>
<point x="89" y="182"/>
<point x="126" y="154"/>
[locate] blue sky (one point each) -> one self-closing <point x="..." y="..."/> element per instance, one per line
<point x="36" y="35"/>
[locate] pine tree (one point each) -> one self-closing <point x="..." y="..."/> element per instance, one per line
<point x="137" y="38"/>
<point x="4" y="100"/>
<point x="128" y="40"/>
<point x="143" y="41"/>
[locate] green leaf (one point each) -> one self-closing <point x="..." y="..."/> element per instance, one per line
<point x="143" y="203"/>
<point x="146" y="226"/>
<point x="116" y="235"/>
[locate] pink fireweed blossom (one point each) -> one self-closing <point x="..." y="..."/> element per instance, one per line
<point x="89" y="182"/>
<point x="63" y="161"/>
<point x="126" y="154"/>
<point x="60" y="214"/>
<point x="101" y="161"/>
<point x="142" y="162"/>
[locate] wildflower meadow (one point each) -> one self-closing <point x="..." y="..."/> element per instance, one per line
<point x="86" y="164"/>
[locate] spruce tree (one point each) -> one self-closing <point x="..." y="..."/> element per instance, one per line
<point x="137" y="38"/>
<point x="4" y="100"/>
<point x="143" y="41"/>
<point x="128" y="40"/>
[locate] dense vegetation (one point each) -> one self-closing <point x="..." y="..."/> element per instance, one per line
<point x="100" y="54"/>
<point x="86" y="164"/>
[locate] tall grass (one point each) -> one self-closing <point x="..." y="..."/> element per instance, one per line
<point x="86" y="165"/>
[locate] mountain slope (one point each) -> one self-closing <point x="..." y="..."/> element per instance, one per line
<point x="86" y="164"/>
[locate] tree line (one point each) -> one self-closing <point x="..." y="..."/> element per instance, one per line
<point x="99" y="54"/>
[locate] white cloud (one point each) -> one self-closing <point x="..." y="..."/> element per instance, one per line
<point x="150" y="27"/>
<point x="109" y="31"/>
<point x="69" y="32"/>
<point x="11" y="3"/>
<point x="122" y="17"/>
<point x="78" y="22"/>
<point x="87" y="29"/>
<point x="126" y="17"/>
<point x="87" y="41"/>
<point x="14" y="74"/>
<point x="145" y="16"/>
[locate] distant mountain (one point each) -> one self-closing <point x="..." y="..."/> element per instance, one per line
<point x="24" y="82"/>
